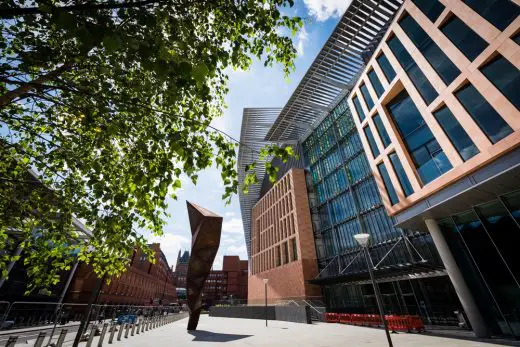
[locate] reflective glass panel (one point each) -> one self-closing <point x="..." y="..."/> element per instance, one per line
<point x="371" y="141"/>
<point x="512" y="201"/>
<point x="433" y="54"/>
<point x="505" y="76"/>
<point x="483" y="113"/>
<point x="431" y="8"/>
<point x="376" y="84"/>
<point x="418" y="78"/>
<point x="457" y="135"/>
<point x="366" y="95"/>
<point x="381" y="130"/>
<point x="466" y="40"/>
<point x="401" y="174"/>
<point x="388" y="70"/>
<point x="388" y="184"/>
<point x="500" y="13"/>
<point x="429" y="159"/>
<point x="359" y="109"/>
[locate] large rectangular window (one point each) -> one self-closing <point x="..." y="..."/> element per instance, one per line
<point x="483" y="113"/>
<point x="466" y="40"/>
<point x="500" y="13"/>
<point x="294" y="249"/>
<point x="505" y="76"/>
<point x="388" y="184"/>
<point x="366" y="95"/>
<point x="401" y="174"/>
<point x="456" y="133"/>
<point x="376" y="84"/>
<point x="388" y="70"/>
<point x="433" y="54"/>
<point x="371" y="141"/>
<point x="359" y="109"/>
<point x="428" y="156"/>
<point x="418" y="78"/>
<point x="381" y="130"/>
<point x="431" y="8"/>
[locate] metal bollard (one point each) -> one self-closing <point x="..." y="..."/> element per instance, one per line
<point x="147" y="324"/>
<point x="120" y="332"/>
<point x="133" y="328"/>
<point x="61" y="338"/>
<point x="154" y="323"/>
<point x="127" y="329"/>
<point x="138" y="325"/>
<point x="39" y="339"/>
<point x="112" y="332"/>
<point x="102" y="336"/>
<point x="143" y="323"/>
<point x="11" y="341"/>
<point x="91" y="336"/>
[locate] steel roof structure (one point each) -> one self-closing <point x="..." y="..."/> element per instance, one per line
<point x="335" y="69"/>
<point x="256" y="122"/>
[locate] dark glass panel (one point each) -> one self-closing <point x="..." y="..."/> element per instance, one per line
<point x="401" y="174"/>
<point x="500" y="13"/>
<point x="428" y="93"/>
<point x="429" y="159"/>
<point x="505" y="76"/>
<point x="484" y="115"/>
<point x="456" y="133"/>
<point x="371" y="141"/>
<point x="516" y="38"/>
<point x="366" y="95"/>
<point x="376" y="84"/>
<point x="388" y="70"/>
<point x="388" y="184"/>
<point x="512" y="200"/>
<point x="466" y="40"/>
<point x="431" y="8"/>
<point x="359" y="109"/>
<point x="433" y="54"/>
<point x="381" y="130"/>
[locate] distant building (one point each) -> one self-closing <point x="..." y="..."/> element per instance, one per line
<point x="181" y="269"/>
<point x="143" y="283"/>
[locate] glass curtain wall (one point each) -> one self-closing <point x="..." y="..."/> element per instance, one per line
<point x="347" y="202"/>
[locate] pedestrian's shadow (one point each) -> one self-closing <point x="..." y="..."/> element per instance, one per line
<point x="208" y="336"/>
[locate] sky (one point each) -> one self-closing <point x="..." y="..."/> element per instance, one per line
<point x="257" y="87"/>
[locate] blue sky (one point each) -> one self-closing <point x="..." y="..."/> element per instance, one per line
<point x="257" y="87"/>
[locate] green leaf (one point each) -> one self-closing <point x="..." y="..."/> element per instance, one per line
<point x="199" y="72"/>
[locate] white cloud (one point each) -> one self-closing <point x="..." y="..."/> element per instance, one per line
<point x="236" y="250"/>
<point x="233" y="226"/>
<point x="325" y="9"/>
<point x="230" y="214"/>
<point x="301" y="40"/>
<point x="170" y="245"/>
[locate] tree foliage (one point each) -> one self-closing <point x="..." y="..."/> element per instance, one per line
<point x="110" y="102"/>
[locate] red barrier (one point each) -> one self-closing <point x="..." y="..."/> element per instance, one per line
<point x="345" y="318"/>
<point x="395" y="323"/>
<point x="331" y="317"/>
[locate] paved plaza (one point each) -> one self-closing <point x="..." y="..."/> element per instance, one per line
<point x="214" y="331"/>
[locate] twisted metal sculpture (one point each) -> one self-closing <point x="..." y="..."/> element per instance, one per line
<point x="206" y="228"/>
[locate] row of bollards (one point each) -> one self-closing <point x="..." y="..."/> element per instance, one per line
<point x="139" y="327"/>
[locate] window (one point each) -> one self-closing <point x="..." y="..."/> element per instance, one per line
<point x="457" y="135"/>
<point x="466" y="40"/>
<point x="376" y="84"/>
<point x="366" y="95"/>
<point x="429" y="158"/>
<point x="286" y="252"/>
<point x="505" y="76"/>
<point x="388" y="184"/>
<point x="401" y="174"/>
<point x="294" y="249"/>
<point x="500" y="13"/>
<point x="371" y="141"/>
<point x="435" y="56"/>
<point x="483" y="114"/>
<point x="358" y="107"/>
<point x="388" y="70"/>
<point x="431" y="8"/>
<point x="424" y="87"/>
<point x="381" y="130"/>
<point x="278" y="256"/>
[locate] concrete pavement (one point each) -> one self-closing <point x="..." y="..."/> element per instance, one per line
<point x="214" y="331"/>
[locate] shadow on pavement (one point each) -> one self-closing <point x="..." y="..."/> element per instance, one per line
<point x="208" y="336"/>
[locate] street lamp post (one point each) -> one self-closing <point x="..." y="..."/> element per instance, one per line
<point x="265" y="309"/>
<point x="363" y="239"/>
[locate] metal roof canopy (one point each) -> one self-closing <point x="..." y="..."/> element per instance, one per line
<point x="335" y="69"/>
<point x="256" y="122"/>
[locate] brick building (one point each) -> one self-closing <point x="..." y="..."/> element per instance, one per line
<point x="282" y="242"/>
<point x="181" y="269"/>
<point x="143" y="283"/>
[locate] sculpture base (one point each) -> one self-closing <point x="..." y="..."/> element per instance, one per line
<point x="194" y="319"/>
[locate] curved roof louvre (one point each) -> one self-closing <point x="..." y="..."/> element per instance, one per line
<point x="335" y="69"/>
<point x="256" y="122"/>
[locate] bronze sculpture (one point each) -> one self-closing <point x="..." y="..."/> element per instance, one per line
<point x="206" y="228"/>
